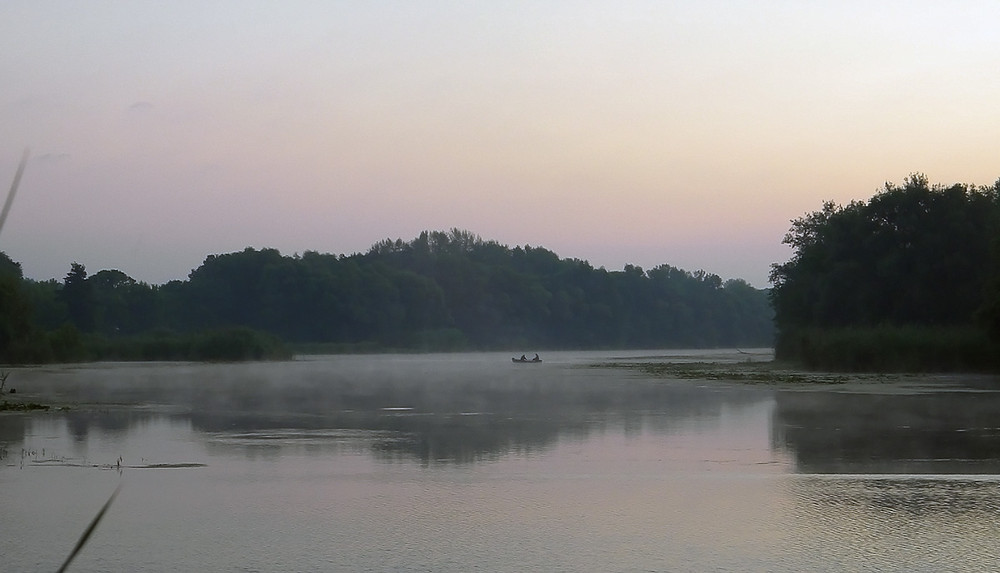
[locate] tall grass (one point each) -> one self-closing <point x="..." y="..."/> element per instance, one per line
<point x="890" y="349"/>
<point x="67" y="344"/>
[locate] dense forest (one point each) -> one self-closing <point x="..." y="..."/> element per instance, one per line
<point x="441" y="291"/>
<point x="908" y="280"/>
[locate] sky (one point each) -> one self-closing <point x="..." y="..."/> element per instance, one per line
<point x="687" y="133"/>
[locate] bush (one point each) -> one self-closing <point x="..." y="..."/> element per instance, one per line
<point x="237" y="344"/>
<point x="890" y="349"/>
<point x="67" y="344"/>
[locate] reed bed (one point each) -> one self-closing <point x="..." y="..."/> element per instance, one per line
<point x="891" y="349"/>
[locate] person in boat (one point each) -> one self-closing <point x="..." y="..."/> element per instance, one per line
<point x="523" y="358"/>
<point x="536" y="358"/>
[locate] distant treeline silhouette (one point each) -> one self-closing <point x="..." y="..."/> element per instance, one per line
<point x="908" y="280"/>
<point x="441" y="291"/>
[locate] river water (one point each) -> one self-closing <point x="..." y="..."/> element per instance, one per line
<point x="467" y="462"/>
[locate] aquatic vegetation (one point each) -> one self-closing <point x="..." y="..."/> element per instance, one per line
<point x="744" y="372"/>
<point x="7" y="406"/>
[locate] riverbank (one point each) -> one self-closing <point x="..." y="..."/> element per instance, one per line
<point x="779" y="374"/>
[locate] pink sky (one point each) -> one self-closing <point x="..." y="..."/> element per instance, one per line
<point x="681" y="133"/>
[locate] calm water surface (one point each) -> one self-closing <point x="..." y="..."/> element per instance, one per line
<point x="467" y="462"/>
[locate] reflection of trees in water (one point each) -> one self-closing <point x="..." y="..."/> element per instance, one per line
<point x="79" y="423"/>
<point x="829" y="432"/>
<point x="455" y="408"/>
<point x="463" y="439"/>
<point x="12" y="430"/>
<point x="468" y="421"/>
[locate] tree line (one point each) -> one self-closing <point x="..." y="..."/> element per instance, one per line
<point x="441" y="291"/>
<point x="909" y="279"/>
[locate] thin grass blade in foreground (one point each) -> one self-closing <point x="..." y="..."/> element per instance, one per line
<point x="90" y="529"/>
<point x="13" y="188"/>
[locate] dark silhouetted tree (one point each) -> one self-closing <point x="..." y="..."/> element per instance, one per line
<point x="78" y="295"/>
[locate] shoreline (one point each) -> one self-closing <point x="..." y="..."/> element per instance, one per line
<point x="783" y="377"/>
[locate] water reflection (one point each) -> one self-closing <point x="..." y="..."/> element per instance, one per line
<point x="893" y="523"/>
<point x="915" y="497"/>
<point x="479" y="407"/>
<point x="433" y="409"/>
<point x="459" y="463"/>
<point x="434" y="419"/>
<point x="950" y="431"/>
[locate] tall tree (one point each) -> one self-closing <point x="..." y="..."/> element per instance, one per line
<point x="78" y="295"/>
<point x="914" y="254"/>
<point x="15" y="310"/>
<point x="122" y="305"/>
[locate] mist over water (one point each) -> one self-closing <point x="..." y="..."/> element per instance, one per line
<point x="454" y="462"/>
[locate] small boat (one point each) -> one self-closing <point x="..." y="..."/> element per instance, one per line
<point x="523" y="360"/>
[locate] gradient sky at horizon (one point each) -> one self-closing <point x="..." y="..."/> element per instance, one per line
<point x="635" y="132"/>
